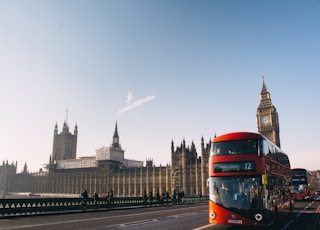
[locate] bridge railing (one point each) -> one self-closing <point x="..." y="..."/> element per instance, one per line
<point x="34" y="206"/>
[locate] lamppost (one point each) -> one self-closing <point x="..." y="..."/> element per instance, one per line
<point x="173" y="177"/>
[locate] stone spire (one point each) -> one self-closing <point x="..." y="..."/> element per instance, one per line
<point x="115" y="141"/>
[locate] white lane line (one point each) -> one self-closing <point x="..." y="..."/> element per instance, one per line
<point x="135" y="223"/>
<point x="287" y="225"/>
<point x="205" y="227"/>
<point x="183" y="215"/>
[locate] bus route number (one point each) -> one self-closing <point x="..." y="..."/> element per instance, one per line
<point x="248" y="166"/>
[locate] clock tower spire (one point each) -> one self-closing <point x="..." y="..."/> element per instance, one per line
<point x="267" y="116"/>
<point x="115" y="141"/>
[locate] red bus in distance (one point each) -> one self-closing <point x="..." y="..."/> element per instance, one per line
<point x="302" y="184"/>
<point x="249" y="181"/>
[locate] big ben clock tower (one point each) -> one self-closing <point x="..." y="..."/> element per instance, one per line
<point x="267" y="116"/>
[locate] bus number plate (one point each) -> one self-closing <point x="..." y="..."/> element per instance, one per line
<point x="230" y="221"/>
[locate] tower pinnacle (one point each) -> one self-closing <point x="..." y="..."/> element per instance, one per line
<point x="115" y="142"/>
<point x="66" y="120"/>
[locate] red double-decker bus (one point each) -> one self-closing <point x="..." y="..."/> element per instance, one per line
<point x="302" y="184"/>
<point x="249" y="179"/>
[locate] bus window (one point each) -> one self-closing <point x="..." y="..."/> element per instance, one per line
<point x="246" y="146"/>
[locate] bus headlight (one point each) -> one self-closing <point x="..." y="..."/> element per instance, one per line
<point x="212" y="215"/>
<point x="258" y="217"/>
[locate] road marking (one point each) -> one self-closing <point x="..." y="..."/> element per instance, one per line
<point x="287" y="225"/>
<point x="204" y="227"/>
<point x="123" y="225"/>
<point x="183" y="215"/>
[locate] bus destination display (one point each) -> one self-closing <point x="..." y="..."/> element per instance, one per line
<point x="240" y="166"/>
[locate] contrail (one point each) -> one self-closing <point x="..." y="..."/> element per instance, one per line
<point x="129" y="98"/>
<point x="135" y="104"/>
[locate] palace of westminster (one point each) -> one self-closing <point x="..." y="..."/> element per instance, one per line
<point x="109" y="170"/>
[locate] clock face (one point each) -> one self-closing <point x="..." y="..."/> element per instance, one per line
<point x="265" y="120"/>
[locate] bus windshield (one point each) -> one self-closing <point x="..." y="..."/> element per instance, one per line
<point x="246" y="146"/>
<point x="235" y="192"/>
<point x="300" y="188"/>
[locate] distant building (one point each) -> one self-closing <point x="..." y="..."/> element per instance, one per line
<point x="109" y="170"/>
<point x="7" y="175"/>
<point x="316" y="180"/>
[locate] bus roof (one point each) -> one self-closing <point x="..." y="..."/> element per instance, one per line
<point x="299" y="169"/>
<point x="237" y="136"/>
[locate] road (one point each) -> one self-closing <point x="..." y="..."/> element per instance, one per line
<point x="306" y="216"/>
<point x="187" y="216"/>
<point x="184" y="216"/>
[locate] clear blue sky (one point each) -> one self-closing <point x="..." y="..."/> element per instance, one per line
<point x="187" y="69"/>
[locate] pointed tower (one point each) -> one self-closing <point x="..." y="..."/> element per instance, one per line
<point x="65" y="143"/>
<point x="267" y="116"/>
<point x="25" y="168"/>
<point x="205" y="153"/>
<point x="114" y="152"/>
<point x="115" y="140"/>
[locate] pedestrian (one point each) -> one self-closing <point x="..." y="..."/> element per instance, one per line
<point x="108" y="199"/>
<point x="182" y="196"/>
<point x="158" y="197"/>
<point x="150" y="198"/>
<point x="167" y="197"/>
<point x="111" y="198"/>
<point x="84" y="199"/>
<point x="174" y="196"/>
<point x="145" y="198"/>
<point x="179" y="197"/>
<point x="162" y="198"/>
<point x="96" y="197"/>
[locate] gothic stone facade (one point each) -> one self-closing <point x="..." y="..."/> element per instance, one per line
<point x="188" y="172"/>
